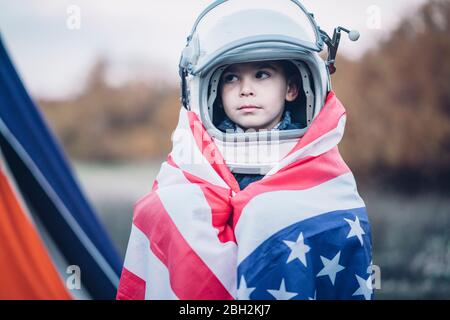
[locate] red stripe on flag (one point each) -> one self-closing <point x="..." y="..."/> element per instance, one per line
<point x="210" y="151"/>
<point x="219" y="200"/>
<point x="131" y="287"/>
<point x="171" y="162"/>
<point x="327" y="120"/>
<point x="303" y="174"/>
<point x="190" y="277"/>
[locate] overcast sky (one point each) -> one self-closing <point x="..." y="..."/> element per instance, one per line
<point x="145" y="38"/>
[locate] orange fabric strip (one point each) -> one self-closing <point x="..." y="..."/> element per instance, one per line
<point x="26" y="270"/>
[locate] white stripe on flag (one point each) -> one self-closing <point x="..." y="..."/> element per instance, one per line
<point x="187" y="155"/>
<point x="260" y="218"/>
<point x="141" y="261"/>
<point x="168" y="176"/>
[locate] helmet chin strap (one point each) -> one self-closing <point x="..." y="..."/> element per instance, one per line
<point x="214" y="83"/>
<point x="307" y="90"/>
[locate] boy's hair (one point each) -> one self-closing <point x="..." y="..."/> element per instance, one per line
<point x="292" y="75"/>
<point x="289" y="69"/>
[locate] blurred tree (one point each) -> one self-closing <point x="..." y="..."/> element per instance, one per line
<point x="114" y="123"/>
<point x="399" y="102"/>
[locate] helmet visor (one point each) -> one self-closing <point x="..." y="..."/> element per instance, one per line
<point x="237" y="22"/>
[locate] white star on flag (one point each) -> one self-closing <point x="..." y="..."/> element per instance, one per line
<point x="244" y="291"/>
<point x="298" y="249"/>
<point x="331" y="267"/>
<point x="355" y="229"/>
<point x="282" y="294"/>
<point x="365" y="287"/>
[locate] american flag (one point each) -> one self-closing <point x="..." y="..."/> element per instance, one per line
<point x="325" y="257"/>
<point x="301" y="232"/>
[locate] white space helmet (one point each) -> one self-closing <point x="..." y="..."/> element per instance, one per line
<point x="237" y="31"/>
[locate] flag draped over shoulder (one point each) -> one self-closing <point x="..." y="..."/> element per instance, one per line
<point x="301" y="232"/>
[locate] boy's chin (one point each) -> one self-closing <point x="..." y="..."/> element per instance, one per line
<point x="253" y="127"/>
<point x="255" y="124"/>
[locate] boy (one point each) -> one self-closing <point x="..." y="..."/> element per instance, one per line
<point x="253" y="96"/>
<point x="300" y="229"/>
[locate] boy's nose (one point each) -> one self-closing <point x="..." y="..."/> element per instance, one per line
<point x="246" y="88"/>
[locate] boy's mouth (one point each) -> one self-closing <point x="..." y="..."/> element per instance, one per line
<point x="248" y="107"/>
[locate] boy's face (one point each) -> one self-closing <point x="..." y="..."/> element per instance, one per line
<point x="254" y="93"/>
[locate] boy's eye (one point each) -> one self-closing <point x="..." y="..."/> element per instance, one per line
<point x="262" y="75"/>
<point x="229" y="78"/>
